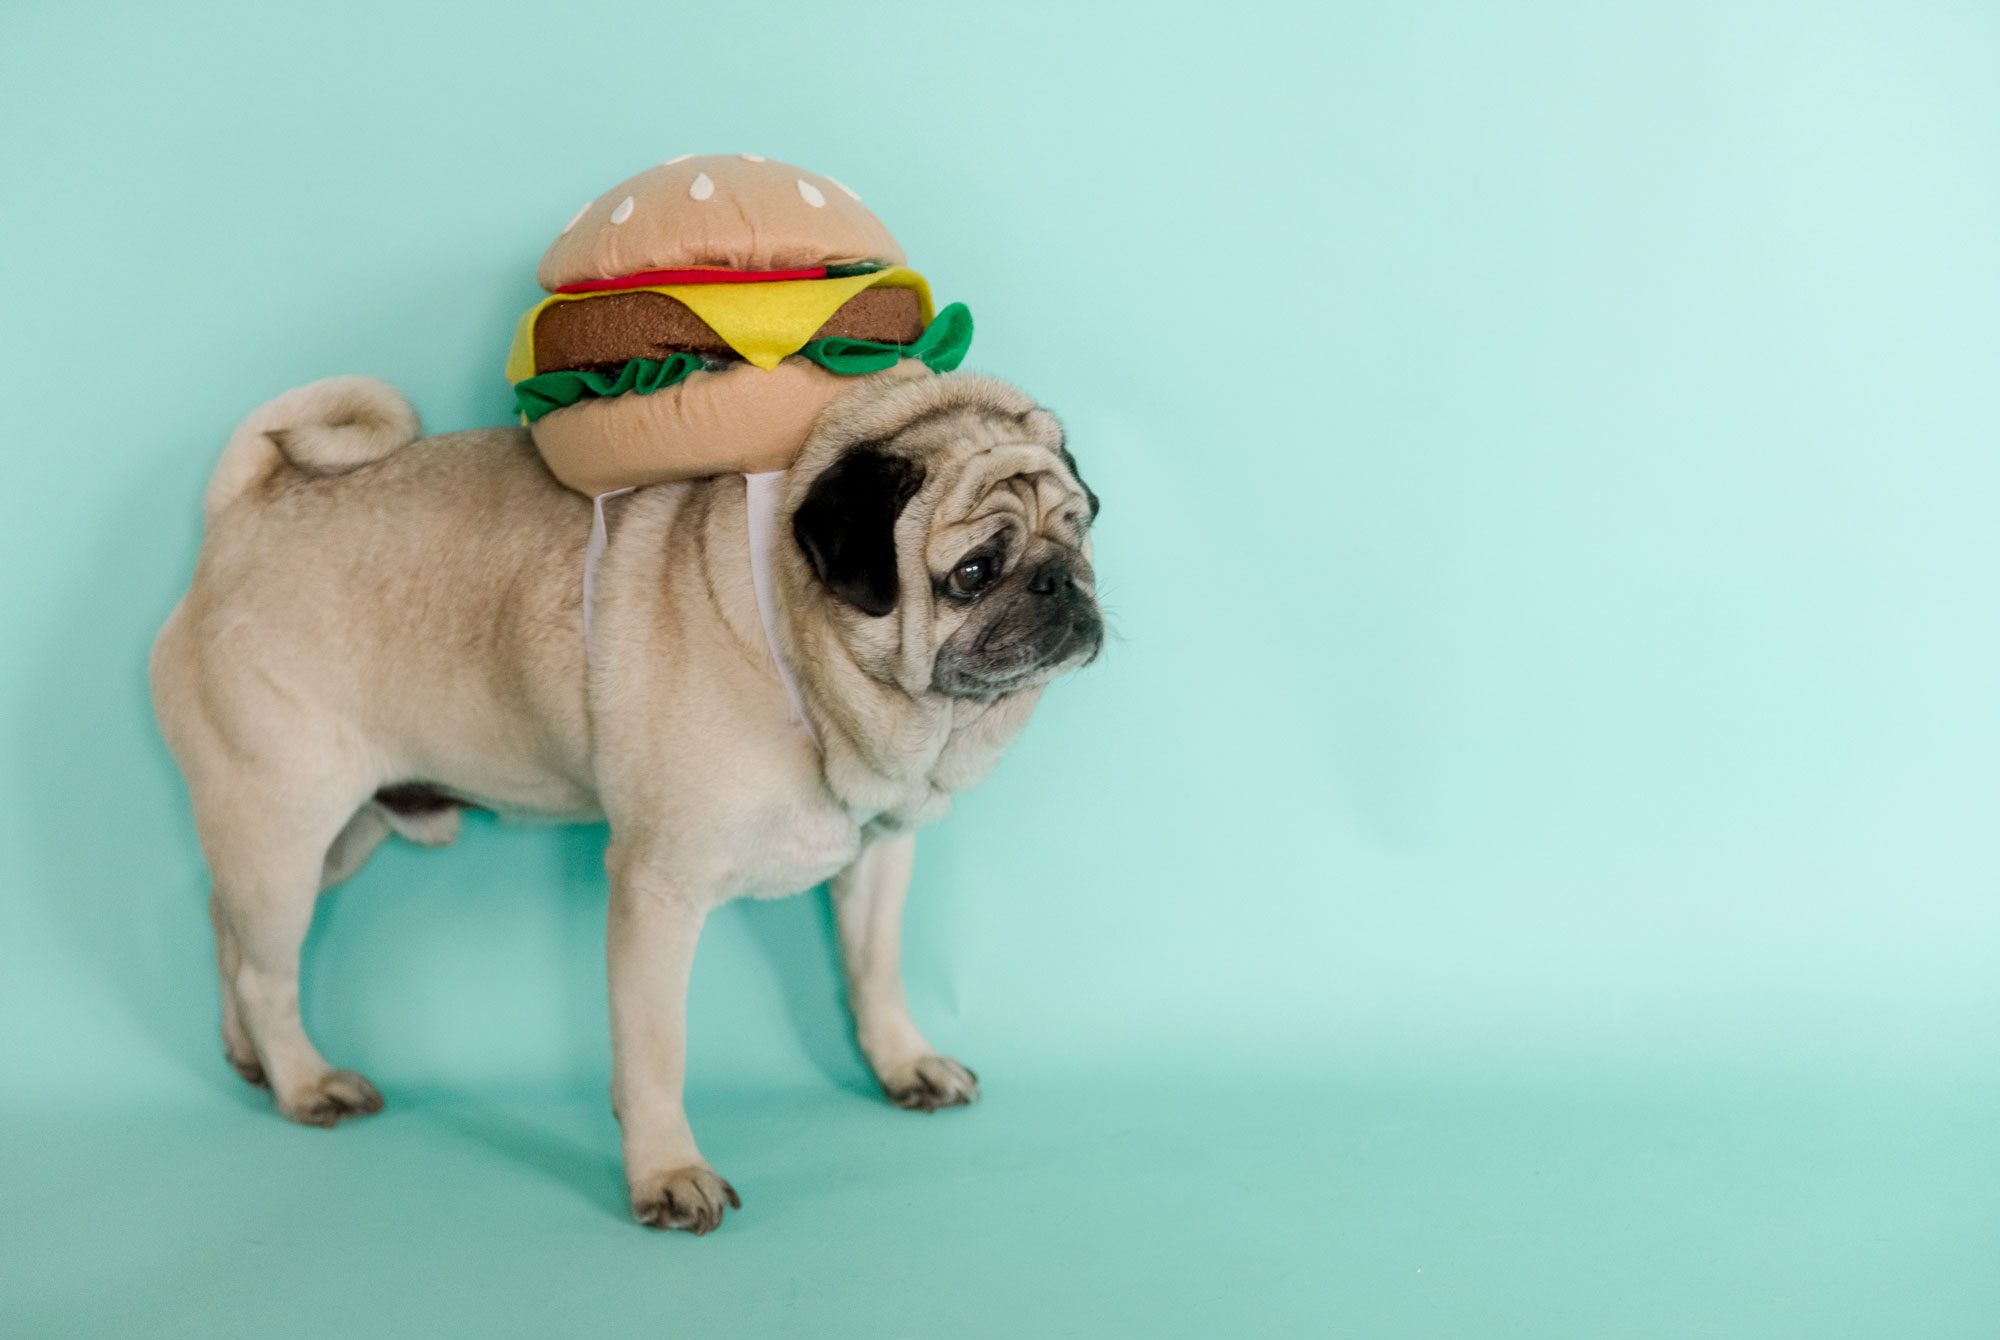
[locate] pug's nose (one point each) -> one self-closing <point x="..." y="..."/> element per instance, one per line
<point x="1052" y="578"/>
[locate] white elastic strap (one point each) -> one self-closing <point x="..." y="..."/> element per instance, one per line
<point x="760" y="504"/>
<point x="593" y="553"/>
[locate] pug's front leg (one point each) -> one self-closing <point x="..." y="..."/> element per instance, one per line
<point x="652" y="929"/>
<point x="868" y="909"/>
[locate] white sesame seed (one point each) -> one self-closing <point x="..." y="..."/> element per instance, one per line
<point x="751" y="158"/>
<point x="851" y="193"/>
<point x="682" y="159"/>
<point x="810" y="194"/>
<point x="576" y="218"/>
<point x="624" y="210"/>
<point x="701" y="188"/>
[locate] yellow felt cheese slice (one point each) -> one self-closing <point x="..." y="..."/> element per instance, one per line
<point x="765" y="322"/>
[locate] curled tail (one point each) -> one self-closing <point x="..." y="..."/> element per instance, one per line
<point x="324" y="428"/>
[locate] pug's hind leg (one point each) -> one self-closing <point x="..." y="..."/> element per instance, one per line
<point x="236" y="1044"/>
<point x="267" y="865"/>
<point x="868" y="910"/>
<point x="365" y="831"/>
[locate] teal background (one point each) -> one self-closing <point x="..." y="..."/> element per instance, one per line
<point x="1525" y="866"/>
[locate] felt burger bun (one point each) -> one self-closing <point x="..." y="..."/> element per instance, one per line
<point x="717" y="211"/>
<point x="704" y="313"/>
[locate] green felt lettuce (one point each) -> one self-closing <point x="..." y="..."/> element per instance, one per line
<point x="551" y="391"/>
<point x="941" y="348"/>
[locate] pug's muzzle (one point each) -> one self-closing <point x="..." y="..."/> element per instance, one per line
<point x="1038" y="622"/>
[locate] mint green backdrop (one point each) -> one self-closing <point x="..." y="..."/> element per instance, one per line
<point x="1524" y="866"/>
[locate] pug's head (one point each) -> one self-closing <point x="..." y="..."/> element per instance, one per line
<point x="944" y="537"/>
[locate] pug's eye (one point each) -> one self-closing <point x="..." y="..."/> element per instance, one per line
<point x="971" y="577"/>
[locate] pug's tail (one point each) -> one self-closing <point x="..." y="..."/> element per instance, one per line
<point x="324" y="428"/>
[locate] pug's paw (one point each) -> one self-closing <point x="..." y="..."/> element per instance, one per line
<point x="690" y="1199"/>
<point x="335" y="1096"/>
<point x="249" y="1069"/>
<point x="930" y="1083"/>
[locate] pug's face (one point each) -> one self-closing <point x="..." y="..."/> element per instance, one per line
<point x="955" y="537"/>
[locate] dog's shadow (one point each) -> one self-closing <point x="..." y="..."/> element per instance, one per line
<point x="796" y="936"/>
<point x="111" y="848"/>
<point x="107" y="849"/>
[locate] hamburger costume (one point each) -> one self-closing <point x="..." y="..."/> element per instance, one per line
<point x="703" y="314"/>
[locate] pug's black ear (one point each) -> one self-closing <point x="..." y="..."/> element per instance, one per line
<point x="847" y="525"/>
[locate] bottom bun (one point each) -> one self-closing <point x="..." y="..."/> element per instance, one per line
<point x="740" y="421"/>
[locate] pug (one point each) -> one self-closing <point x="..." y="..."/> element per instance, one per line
<point x="383" y="631"/>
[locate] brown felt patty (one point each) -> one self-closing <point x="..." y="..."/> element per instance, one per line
<point x="607" y="331"/>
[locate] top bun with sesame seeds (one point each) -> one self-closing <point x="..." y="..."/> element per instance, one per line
<point x="717" y="211"/>
<point x="703" y="314"/>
